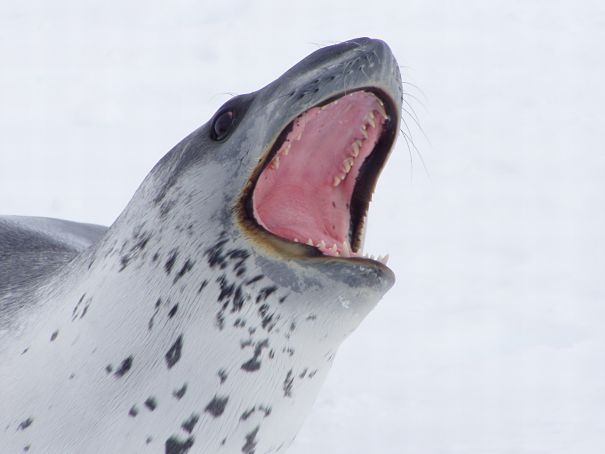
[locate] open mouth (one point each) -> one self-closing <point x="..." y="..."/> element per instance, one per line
<point x="315" y="185"/>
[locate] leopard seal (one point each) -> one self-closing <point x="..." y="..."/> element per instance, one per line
<point x="206" y="317"/>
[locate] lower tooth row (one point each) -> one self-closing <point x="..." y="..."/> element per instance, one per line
<point x="346" y="250"/>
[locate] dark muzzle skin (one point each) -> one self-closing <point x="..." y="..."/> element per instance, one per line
<point x="187" y="326"/>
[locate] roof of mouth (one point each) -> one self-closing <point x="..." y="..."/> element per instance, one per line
<point x="304" y="192"/>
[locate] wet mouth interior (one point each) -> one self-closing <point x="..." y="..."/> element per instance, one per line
<point x="315" y="188"/>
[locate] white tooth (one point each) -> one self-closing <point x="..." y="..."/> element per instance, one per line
<point x="334" y="249"/>
<point x="370" y="119"/>
<point x="321" y="244"/>
<point x="355" y="148"/>
<point x="276" y="163"/>
<point x="337" y="181"/>
<point x="296" y="240"/>
<point x="364" y="132"/>
<point x="346" y="249"/>
<point x="384" y="260"/>
<point x="347" y="164"/>
<point x="310" y="242"/>
<point x="286" y="150"/>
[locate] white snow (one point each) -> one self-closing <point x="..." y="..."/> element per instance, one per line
<point x="492" y="340"/>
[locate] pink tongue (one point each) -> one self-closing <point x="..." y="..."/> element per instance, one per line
<point x="304" y="193"/>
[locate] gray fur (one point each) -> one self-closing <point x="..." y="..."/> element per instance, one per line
<point x="32" y="249"/>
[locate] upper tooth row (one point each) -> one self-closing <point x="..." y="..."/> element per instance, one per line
<point x="369" y="119"/>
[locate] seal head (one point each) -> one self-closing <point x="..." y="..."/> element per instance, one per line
<point x="207" y="316"/>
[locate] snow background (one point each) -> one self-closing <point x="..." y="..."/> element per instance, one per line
<point x="492" y="340"/>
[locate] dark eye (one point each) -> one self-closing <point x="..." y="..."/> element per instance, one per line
<point x="222" y="125"/>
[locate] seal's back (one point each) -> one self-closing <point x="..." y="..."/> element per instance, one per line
<point x="32" y="248"/>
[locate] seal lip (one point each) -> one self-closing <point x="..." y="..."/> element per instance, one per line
<point x="363" y="190"/>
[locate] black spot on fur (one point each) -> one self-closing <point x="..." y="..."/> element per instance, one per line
<point x="179" y="393"/>
<point x="26" y="448"/>
<point x="124" y="367"/>
<point x="25" y="351"/>
<point x="141" y="242"/>
<point x="250" y="445"/>
<point x="174" y="445"/>
<point x="238" y="300"/>
<point x="173" y="311"/>
<point x="76" y="310"/>
<point x="156" y="309"/>
<point x="190" y="423"/>
<point x="218" y="257"/>
<point x="267" y="321"/>
<point x="220" y="320"/>
<point x="253" y="364"/>
<point x="222" y="375"/>
<point x="170" y="262"/>
<point x="174" y="354"/>
<point x="226" y="288"/>
<point x="133" y="411"/>
<point x="216" y="407"/>
<point x="288" y="384"/>
<point x="148" y="440"/>
<point x="254" y="279"/>
<point x="202" y="286"/>
<point x="266" y="410"/>
<point x="72" y="376"/>
<point x="108" y="368"/>
<point x="265" y="293"/>
<point x="215" y="254"/>
<point x="25" y="424"/>
<point x="151" y="403"/>
<point x="187" y="266"/>
<point x="54" y="335"/>
<point x="247" y="413"/>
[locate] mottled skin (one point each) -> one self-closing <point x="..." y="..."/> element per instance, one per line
<point x="178" y="329"/>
